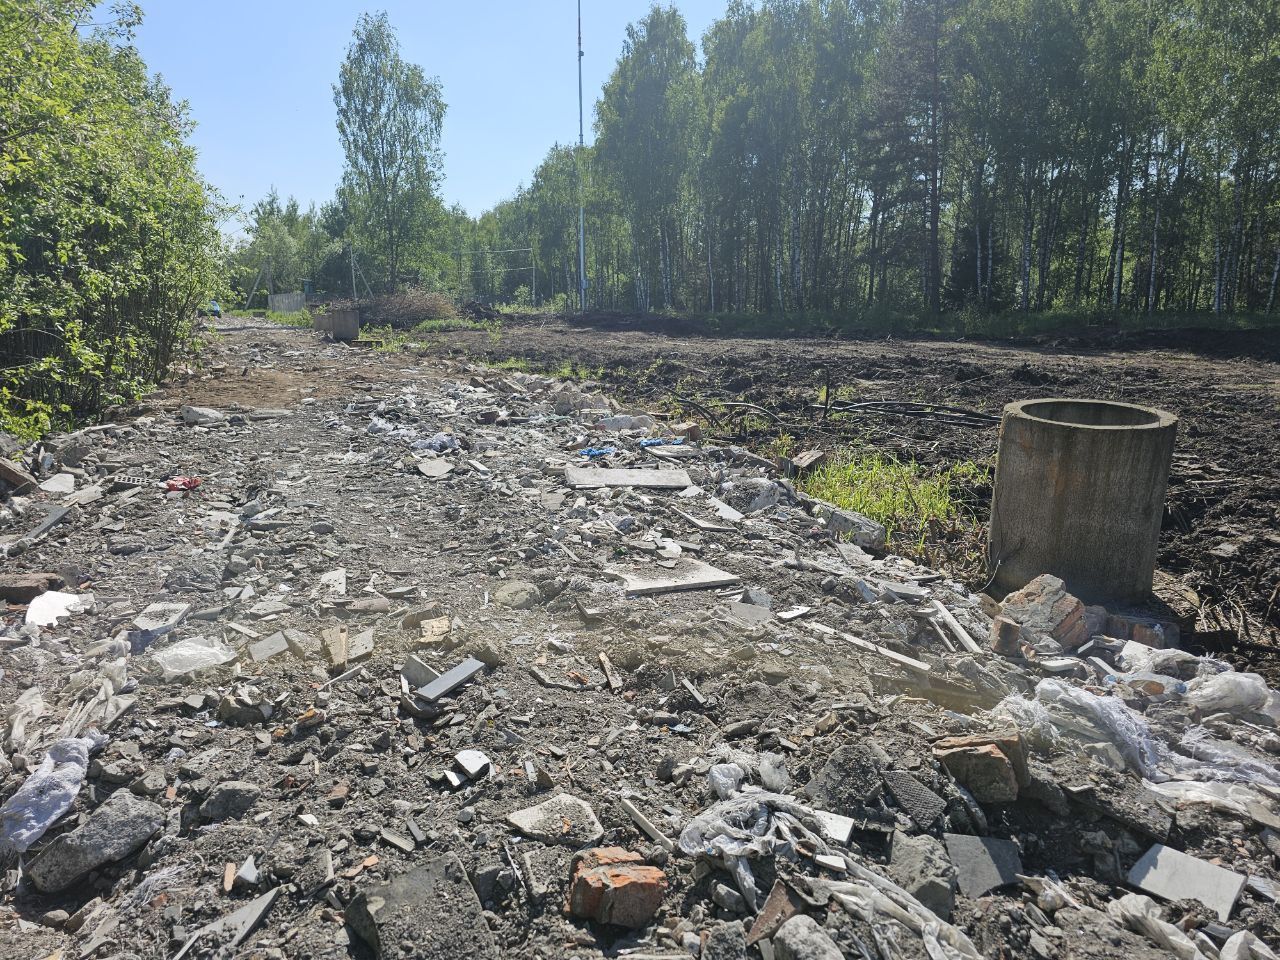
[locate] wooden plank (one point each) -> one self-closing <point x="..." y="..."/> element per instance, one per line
<point x="587" y="478"/>
<point x="693" y="575"/>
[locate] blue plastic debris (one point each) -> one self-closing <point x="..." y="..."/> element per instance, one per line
<point x="662" y="442"/>
<point x="592" y="452"/>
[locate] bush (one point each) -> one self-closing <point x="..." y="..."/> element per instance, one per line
<point x="108" y="236"/>
<point x="405" y="310"/>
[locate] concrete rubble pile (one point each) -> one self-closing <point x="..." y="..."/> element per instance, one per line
<point x="442" y="662"/>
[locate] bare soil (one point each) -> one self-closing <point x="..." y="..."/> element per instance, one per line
<point x="1219" y="560"/>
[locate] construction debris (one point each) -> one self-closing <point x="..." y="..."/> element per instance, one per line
<point x="528" y="707"/>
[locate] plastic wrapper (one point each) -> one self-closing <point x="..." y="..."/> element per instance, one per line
<point x="1245" y="946"/>
<point x="884" y="906"/>
<point x="725" y="778"/>
<point x="1234" y="693"/>
<point x="1032" y="720"/>
<point x="1125" y="728"/>
<point x="187" y="657"/>
<point x="48" y="793"/>
<point x="1142" y="915"/>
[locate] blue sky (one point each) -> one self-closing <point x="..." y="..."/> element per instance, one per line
<point x="259" y="76"/>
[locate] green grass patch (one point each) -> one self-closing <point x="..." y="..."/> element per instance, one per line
<point x="908" y="499"/>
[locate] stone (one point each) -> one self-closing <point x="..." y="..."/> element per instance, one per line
<point x="150" y="784"/>
<point x="160" y="618"/>
<point x="921" y="867"/>
<point x="201" y="416"/>
<point x="60" y="483"/>
<point x="982" y="768"/>
<point x="433" y="908"/>
<point x="849" y="780"/>
<point x="414" y="619"/>
<point x="1173" y="875"/>
<point x="15" y="476"/>
<point x="116" y="829"/>
<point x="25" y="587"/>
<point x="562" y="819"/>
<point x="517" y="595"/>
<point x="230" y="800"/>
<point x="612" y="885"/>
<point x="982" y="863"/>
<point x="801" y="938"/>
<point x="853" y="527"/>
<point x="473" y="763"/>
<point x="728" y="898"/>
<point x="1043" y="607"/>
<point x="920" y="803"/>
<point x="726" y="941"/>
<point x="272" y="646"/>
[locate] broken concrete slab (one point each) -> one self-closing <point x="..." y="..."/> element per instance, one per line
<point x="272" y="646"/>
<point x="802" y="938"/>
<point x="15" y="476"/>
<point x="158" y="619"/>
<point x="230" y="800"/>
<point x="590" y="478"/>
<point x="920" y="866"/>
<point x="1172" y="875"/>
<point x="564" y="819"/>
<point x="450" y="680"/>
<point x="60" y="483"/>
<point x="113" y="831"/>
<point x="230" y="931"/>
<point x="982" y="864"/>
<point x="432" y="907"/>
<point x="854" y="527"/>
<point x="689" y="575"/>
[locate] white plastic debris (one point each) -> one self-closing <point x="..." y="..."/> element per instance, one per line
<point x="48" y="793"/>
<point x="187" y="657"/>
<point x="1234" y="693"/>
<point x="1143" y="915"/>
<point x="52" y="605"/>
<point x="1245" y="946"/>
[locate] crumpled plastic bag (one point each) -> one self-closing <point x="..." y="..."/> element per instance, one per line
<point x="880" y="902"/>
<point x="48" y="793"/>
<point x="1235" y="693"/>
<point x="29" y="706"/>
<point x="190" y="656"/>
<point x="747" y="825"/>
<point x="1142" y="915"/>
<point x="1031" y="718"/>
<point x="725" y="778"/>
<point x="1245" y="946"/>
<point x="1123" y="727"/>
<point x="440" y="443"/>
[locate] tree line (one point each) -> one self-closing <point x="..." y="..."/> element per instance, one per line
<point x="109" y="238"/>
<point x="890" y="159"/>
<point x="921" y="156"/>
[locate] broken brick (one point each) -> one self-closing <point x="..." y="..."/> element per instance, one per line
<point x="613" y="885"/>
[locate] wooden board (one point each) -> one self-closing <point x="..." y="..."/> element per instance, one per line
<point x="587" y="478"/>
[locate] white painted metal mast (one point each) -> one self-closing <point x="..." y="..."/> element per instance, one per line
<point x="582" y="210"/>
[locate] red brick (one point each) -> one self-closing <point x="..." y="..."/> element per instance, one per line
<point x="613" y="885"/>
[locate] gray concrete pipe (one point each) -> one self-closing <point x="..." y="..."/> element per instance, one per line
<point x="1079" y="493"/>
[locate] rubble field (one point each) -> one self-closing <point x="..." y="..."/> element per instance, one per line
<point x="330" y="652"/>
<point x="1219" y="550"/>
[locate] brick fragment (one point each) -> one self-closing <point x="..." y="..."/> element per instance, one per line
<point x="613" y="885"/>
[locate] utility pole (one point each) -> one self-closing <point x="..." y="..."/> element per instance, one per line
<point x="582" y="210"/>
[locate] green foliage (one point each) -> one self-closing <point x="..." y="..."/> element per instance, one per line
<point x="960" y="165"/>
<point x="108" y="236"/>
<point x="389" y="121"/>
<point x="904" y="497"/>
